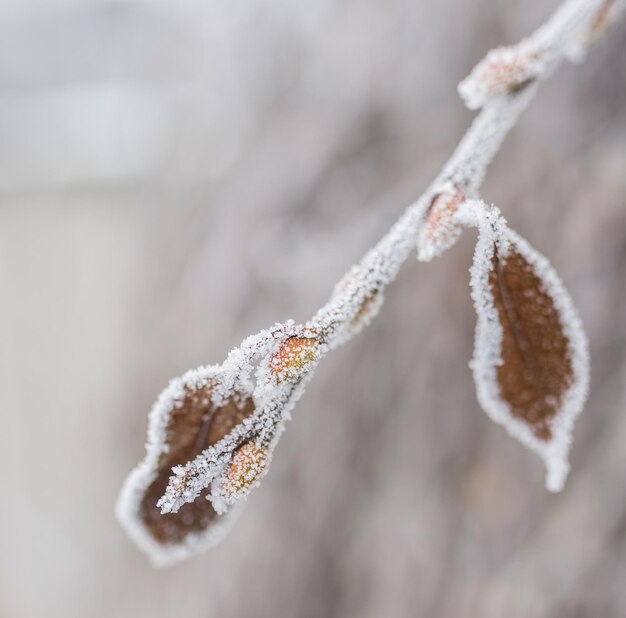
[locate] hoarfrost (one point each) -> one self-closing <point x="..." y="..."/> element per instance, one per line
<point x="129" y="507"/>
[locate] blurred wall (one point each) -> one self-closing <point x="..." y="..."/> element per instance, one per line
<point x="176" y="176"/>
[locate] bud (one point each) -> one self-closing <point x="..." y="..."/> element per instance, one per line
<point x="248" y="464"/>
<point x="601" y="21"/>
<point x="293" y="358"/>
<point x="366" y="310"/>
<point x="531" y="365"/>
<point x="440" y="230"/>
<point x="599" y="24"/>
<point x="503" y="71"/>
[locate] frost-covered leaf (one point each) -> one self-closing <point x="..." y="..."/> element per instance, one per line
<point x="530" y="359"/>
<point x="504" y="70"/>
<point x="189" y="416"/>
<point x="440" y="229"/>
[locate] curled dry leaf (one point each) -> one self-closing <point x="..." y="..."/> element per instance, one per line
<point x="440" y="228"/>
<point x="186" y="419"/>
<point x="530" y="360"/>
<point x="503" y="71"/>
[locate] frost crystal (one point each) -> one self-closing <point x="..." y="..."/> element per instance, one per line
<point x="530" y="364"/>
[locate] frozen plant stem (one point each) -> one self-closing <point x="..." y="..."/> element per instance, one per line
<point x="235" y="412"/>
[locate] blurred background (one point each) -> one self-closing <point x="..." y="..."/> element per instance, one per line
<point x="176" y="176"/>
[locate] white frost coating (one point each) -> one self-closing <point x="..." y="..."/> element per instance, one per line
<point x="493" y="233"/>
<point x="362" y="307"/>
<point x="131" y="495"/>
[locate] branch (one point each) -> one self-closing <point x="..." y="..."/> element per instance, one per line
<point x="253" y="392"/>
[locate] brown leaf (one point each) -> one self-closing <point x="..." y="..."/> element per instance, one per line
<point x="536" y="367"/>
<point x="503" y="71"/>
<point x="185" y="421"/>
<point x="192" y="428"/>
<point x="530" y="357"/>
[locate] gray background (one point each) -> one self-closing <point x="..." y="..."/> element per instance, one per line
<point x="177" y="175"/>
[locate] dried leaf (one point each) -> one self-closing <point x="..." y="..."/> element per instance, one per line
<point x="184" y="422"/>
<point x="536" y="368"/>
<point x="530" y="360"/>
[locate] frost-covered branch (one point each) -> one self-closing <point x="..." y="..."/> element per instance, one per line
<point x="216" y="427"/>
